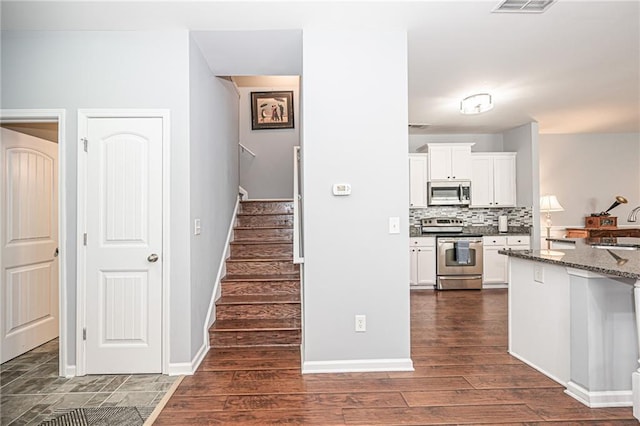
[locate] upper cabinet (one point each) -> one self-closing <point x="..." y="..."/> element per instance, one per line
<point x="449" y="161"/>
<point x="493" y="179"/>
<point x="418" y="180"/>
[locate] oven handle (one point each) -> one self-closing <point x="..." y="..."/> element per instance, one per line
<point x="453" y="240"/>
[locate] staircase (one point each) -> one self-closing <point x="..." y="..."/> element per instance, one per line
<point x="260" y="295"/>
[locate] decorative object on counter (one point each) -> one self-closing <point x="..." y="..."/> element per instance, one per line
<point x="619" y="200"/>
<point x="633" y="216"/>
<point x="619" y="260"/>
<point x="549" y="204"/>
<point x="604" y="220"/>
<point x="476" y="104"/>
<point x="503" y="225"/>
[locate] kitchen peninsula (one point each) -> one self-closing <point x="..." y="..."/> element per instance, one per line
<point x="572" y="316"/>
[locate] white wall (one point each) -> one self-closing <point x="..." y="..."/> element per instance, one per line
<point x="213" y="111"/>
<point x="587" y="171"/>
<point x="355" y="131"/>
<point x="73" y="70"/>
<point x="491" y="142"/>
<point x="523" y="140"/>
<point x="270" y="173"/>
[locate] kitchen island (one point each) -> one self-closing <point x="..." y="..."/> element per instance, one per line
<point x="572" y="316"/>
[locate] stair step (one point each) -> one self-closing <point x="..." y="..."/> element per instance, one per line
<point x="225" y="333"/>
<point x="261" y="277"/>
<point x="262" y="207"/>
<point x="273" y="234"/>
<point x="261" y="266"/>
<point x="258" y="299"/>
<point x="264" y="220"/>
<point x="241" y="339"/>
<point x="261" y="249"/>
<point x="257" y="287"/>
<point x="256" y="324"/>
<point x="258" y="311"/>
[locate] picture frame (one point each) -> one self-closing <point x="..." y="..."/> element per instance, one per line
<point x="272" y="110"/>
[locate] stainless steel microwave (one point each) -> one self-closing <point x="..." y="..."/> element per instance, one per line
<point x="444" y="193"/>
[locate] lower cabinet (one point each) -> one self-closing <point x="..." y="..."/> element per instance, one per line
<point x="422" y="261"/>
<point x="495" y="265"/>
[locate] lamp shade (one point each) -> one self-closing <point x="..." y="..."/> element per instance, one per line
<point x="549" y="203"/>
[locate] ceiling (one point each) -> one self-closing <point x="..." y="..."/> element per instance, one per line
<point x="573" y="69"/>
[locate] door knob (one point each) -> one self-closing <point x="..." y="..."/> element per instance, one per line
<point x="55" y="253"/>
<point x="152" y="258"/>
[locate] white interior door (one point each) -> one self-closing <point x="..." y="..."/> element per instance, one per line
<point x="123" y="283"/>
<point x="29" y="235"/>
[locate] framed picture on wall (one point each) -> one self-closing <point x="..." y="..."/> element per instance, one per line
<point x="271" y="110"/>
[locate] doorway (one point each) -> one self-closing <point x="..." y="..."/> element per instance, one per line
<point x="33" y="221"/>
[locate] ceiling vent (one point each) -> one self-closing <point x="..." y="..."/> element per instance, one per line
<point x="523" y="6"/>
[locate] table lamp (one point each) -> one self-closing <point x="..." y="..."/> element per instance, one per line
<point x="549" y="204"/>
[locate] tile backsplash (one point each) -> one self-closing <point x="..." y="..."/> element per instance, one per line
<point x="518" y="216"/>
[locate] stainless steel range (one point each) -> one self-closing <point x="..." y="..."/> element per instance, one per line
<point x="459" y="256"/>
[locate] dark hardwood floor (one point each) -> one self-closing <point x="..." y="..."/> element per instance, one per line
<point x="463" y="375"/>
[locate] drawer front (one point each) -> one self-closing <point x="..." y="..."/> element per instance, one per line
<point x="494" y="241"/>
<point x="422" y="242"/>
<point x="519" y="240"/>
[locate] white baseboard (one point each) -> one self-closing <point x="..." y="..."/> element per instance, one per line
<point x="494" y="285"/>
<point x="530" y="364"/>
<point x="599" y="399"/>
<point x="69" y="371"/>
<point x="357" y="365"/>
<point x="635" y="386"/>
<point x="189" y="368"/>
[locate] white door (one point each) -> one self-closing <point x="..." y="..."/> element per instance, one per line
<point x="29" y="235"/>
<point x="123" y="282"/>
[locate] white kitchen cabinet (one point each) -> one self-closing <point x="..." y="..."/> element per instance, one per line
<point x="495" y="265"/>
<point x="417" y="180"/>
<point x="422" y="261"/>
<point x="449" y="161"/>
<point x="493" y="179"/>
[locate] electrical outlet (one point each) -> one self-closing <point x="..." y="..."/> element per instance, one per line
<point x="538" y="274"/>
<point x="361" y="323"/>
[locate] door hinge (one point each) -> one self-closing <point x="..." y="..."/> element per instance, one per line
<point x="85" y="141"/>
<point x="84" y="334"/>
<point x="85" y="238"/>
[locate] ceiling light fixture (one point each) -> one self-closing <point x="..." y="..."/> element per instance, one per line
<point x="475" y="104"/>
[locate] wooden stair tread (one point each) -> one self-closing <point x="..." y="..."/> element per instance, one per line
<point x="255" y="324"/>
<point x="250" y="228"/>
<point x="259" y="259"/>
<point x="265" y="214"/>
<point x="256" y="299"/>
<point x="262" y="277"/>
<point x="270" y="200"/>
<point x="260" y="242"/>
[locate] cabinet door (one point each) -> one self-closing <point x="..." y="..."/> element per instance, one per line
<point x="439" y="163"/>
<point x="461" y="162"/>
<point x="413" y="266"/>
<point x="481" y="181"/>
<point x="504" y="181"/>
<point x="417" y="181"/>
<point x="495" y="266"/>
<point x="426" y="260"/>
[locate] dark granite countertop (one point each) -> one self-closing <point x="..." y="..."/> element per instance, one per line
<point x="610" y="259"/>
<point x="486" y="231"/>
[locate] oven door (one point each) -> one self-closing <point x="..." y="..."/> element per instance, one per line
<point x="452" y="259"/>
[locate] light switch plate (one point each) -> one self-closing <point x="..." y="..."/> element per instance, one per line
<point x="197" y="228"/>
<point x="394" y="225"/>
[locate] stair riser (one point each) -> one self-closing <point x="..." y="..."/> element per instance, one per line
<point x="260" y="287"/>
<point x="255" y="338"/>
<point x="261" y="268"/>
<point x="262" y="251"/>
<point x="266" y="220"/>
<point x="259" y="311"/>
<point x="281" y="207"/>
<point x="277" y="234"/>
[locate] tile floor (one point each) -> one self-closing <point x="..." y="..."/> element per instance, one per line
<point x="31" y="391"/>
